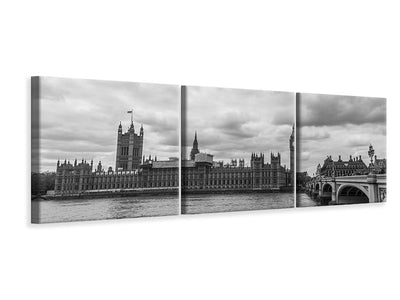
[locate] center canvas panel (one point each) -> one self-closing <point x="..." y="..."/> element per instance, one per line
<point x="103" y="149"/>
<point x="237" y="150"/>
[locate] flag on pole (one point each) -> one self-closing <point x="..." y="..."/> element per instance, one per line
<point x="131" y="112"/>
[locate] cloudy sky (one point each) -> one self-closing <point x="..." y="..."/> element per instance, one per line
<point x="233" y="123"/>
<point x="339" y="125"/>
<point x="79" y="119"/>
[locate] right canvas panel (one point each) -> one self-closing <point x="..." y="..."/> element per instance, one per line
<point x="341" y="150"/>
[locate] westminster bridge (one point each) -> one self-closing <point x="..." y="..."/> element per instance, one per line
<point x="348" y="189"/>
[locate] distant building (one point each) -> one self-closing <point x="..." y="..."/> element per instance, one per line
<point x="380" y="165"/>
<point x="195" y="148"/>
<point x="201" y="172"/>
<point x="80" y="177"/>
<point x="302" y="178"/>
<point x="291" y="146"/>
<point x="132" y="171"/>
<point x="353" y="166"/>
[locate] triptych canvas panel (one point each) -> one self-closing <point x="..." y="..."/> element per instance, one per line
<point x="110" y="150"/>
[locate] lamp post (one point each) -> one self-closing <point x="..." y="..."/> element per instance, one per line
<point x="371" y="178"/>
<point x="371" y="153"/>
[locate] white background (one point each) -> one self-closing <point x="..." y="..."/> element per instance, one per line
<point x="342" y="47"/>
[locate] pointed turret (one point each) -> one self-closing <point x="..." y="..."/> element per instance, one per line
<point x="195" y="148"/>
<point x="99" y="167"/>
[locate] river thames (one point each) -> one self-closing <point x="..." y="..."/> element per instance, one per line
<point x="212" y="203"/>
<point x="304" y="200"/>
<point x="50" y="211"/>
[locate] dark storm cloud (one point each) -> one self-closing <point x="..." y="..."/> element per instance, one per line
<point x="79" y="118"/>
<point x="235" y="124"/>
<point x="330" y="110"/>
<point x="232" y="123"/>
<point x="339" y="125"/>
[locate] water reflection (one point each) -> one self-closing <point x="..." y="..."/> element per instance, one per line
<point x="304" y="200"/>
<point x="104" y="208"/>
<point x="209" y="203"/>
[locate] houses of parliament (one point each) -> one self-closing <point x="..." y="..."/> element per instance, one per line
<point x="133" y="171"/>
<point x="202" y="173"/>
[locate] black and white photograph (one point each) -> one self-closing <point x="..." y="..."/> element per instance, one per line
<point x="103" y="150"/>
<point x="341" y="150"/>
<point x="237" y="149"/>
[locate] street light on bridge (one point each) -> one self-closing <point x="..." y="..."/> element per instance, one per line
<point x="371" y="153"/>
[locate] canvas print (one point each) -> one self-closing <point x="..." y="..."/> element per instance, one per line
<point x="103" y="150"/>
<point x="341" y="150"/>
<point x="237" y="150"/>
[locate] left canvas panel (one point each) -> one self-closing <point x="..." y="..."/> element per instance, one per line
<point x="103" y="150"/>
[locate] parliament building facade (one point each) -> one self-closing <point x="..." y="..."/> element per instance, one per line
<point x="133" y="171"/>
<point x="352" y="166"/>
<point x="202" y="173"/>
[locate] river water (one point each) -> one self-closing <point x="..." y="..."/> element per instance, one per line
<point x="51" y="211"/>
<point x="104" y="208"/>
<point x="210" y="203"/>
<point x="304" y="200"/>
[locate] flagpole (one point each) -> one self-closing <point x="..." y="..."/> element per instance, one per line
<point x="131" y="112"/>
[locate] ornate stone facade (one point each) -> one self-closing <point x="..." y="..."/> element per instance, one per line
<point x="132" y="172"/>
<point x="129" y="149"/>
<point x="353" y="166"/>
<point x="202" y="173"/>
<point x="81" y="178"/>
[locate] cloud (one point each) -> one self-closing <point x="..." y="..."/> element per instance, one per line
<point x="339" y="125"/>
<point x="235" y="124"/>
<point x="170" y="138"/>
<point x="232" y="123"/>
<point x="314" y="133"/>
<point x="357" y="141"/>
<point x="79" y="118"/>
<point x="282" y="117"/>
<point x="331" y="110"/>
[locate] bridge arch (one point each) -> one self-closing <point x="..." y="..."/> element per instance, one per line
<point x="351" y="193"/>
<point x="327" y="187"/>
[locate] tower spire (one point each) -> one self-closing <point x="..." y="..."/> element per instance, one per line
<point x="195" y="148"/>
